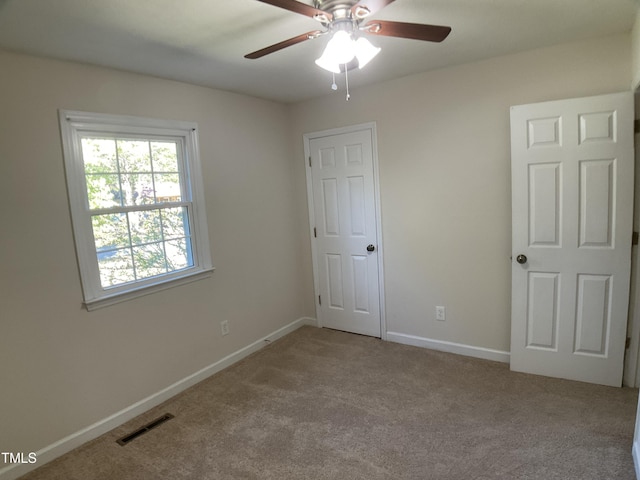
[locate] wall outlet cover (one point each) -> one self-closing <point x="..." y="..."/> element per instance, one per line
<point x="224" y="327"/>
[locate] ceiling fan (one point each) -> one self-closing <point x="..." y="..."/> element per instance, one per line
<point x="345" y="20"/>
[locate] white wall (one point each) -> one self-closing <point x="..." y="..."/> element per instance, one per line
<point x="63" y="368"/>
<point x="443" y="143"/>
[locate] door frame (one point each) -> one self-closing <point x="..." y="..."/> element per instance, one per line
<point x="631" y="374"/>
<point x="307" y="137"/>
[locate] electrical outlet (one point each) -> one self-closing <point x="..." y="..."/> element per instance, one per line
<point x="224" y="327"/>
<point x="440" y="314"/>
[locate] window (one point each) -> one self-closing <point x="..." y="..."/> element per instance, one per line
<point x="136" y="204"/>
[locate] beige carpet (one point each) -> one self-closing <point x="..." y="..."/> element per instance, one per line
<point x="321" y="404"/>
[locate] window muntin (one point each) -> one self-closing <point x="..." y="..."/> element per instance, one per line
<point x="136" y="202"/>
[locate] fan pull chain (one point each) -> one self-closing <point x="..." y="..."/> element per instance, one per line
<point x="334" y="85"/>
<point x="346" y="78"/>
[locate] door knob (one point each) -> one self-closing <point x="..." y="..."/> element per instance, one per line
<point x="370" y="248"/>
<point x="521" y="259"/>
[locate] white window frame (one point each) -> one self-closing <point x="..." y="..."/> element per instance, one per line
<point x="74" y="125"/>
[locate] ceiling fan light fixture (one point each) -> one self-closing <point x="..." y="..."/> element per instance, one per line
<point x="365" y="51"/>
<point x="327" y="64"/>
<point x="342" y="48"/>
<point x="339" y="50"/>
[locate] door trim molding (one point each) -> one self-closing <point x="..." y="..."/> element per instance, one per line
<point x="307" y="137"/>
<point x="635" y="453"/>
<point x="631" y="375"/>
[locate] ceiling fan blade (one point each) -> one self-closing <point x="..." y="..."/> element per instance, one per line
<point x="284" y="44"/>
<point x="298" y="7"/>
<point x="416" y="31"/>
<point x="371" y="5"/>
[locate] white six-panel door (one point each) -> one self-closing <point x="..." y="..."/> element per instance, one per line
<point x="572" y="201"/>
<point x="345" y="225"/>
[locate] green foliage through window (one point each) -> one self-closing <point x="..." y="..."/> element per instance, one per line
<point x="140" y="225"/>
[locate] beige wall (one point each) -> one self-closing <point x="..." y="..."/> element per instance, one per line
<point x="63" y="368"/>
<point x="444" y="161"/>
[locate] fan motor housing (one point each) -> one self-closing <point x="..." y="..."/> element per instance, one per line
<point x="338" y="8"/>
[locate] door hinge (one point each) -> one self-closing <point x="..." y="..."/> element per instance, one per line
<point x="627" y="343"/>
<point x="319" y="300"/>
<point x="309" y="161"/>
<point x="315" y="233"/>
<point x="634" y="238"/>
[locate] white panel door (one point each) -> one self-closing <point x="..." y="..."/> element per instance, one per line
<point x="572" y="206"/>
<point x="345" y="231"/>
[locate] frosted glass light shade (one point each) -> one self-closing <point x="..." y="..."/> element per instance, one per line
<point x="365" y="51"/>
<point x="325" y="63"/>
<point x="341" y="49"/>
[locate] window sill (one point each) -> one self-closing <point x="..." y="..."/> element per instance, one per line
<point x="108" y="300"/>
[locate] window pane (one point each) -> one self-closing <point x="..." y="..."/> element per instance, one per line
<point x="179" y="254"/>
<point x="110" y="231"/>
<point x="145" y="227"/>
<point x="99" y="155"/>
<point x="149" y="260"/>
<point x="103" y="191"/>
<point x="116" y="268"/>
<point x="167" y="187"/>
<point x="175" y="223"/>
<point x="165" y="156"/>
<point x="137" y="189"/>
<point x="133" y="156"/>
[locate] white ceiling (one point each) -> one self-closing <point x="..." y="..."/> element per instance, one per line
<point x="204" y="41"/>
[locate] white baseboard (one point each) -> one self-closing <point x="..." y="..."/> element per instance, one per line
<point x="66" y="444"/>
<point x="450" y="347"/>
<point x="635" y="452"/>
